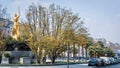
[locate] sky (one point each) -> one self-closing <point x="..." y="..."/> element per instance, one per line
<point x="102" y="17"/>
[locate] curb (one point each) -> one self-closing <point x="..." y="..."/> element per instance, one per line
<point x="39" y="64"/>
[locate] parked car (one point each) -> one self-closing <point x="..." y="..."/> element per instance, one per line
<point x="104" y="62"/>
<point x="106" y="59"/>
<point x="112" y="60"/>
<point x="99" y="62"/>
<point x="95" y="62"/>
<point x="116" y="60"/>
<point x="119" y="60"/>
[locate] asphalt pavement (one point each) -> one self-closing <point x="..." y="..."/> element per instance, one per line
<point x="64" y="66"/>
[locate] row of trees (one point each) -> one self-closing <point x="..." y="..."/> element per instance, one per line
<point x="98" y="49"/>
<point x="49" y="30"/>
<point x="3" y="14"/>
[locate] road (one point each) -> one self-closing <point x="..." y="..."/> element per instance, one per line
<point x="64" y="66"/>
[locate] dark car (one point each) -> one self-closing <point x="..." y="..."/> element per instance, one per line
<point x="95" y="62"/>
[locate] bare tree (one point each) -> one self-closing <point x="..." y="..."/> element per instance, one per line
<point x="50" y="29"/>
<point x="3" y="12"/>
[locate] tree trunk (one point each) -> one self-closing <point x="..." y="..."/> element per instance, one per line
<point x="95" y="54"/>
<point x="74" y="52"/>
<point x="53" y="60"/>
<point x="68" y="50"/>
<point x="38" y="60"/>
<point x="78" y="53"/>
<point x="82" y="53"/>
<point x="86" y="52"/>
<point x="0" y="58"/>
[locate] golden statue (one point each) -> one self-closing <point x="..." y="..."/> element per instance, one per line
<point x="15" y="29"/>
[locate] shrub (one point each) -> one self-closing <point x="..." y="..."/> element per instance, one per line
<point x="7" y="55"/>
